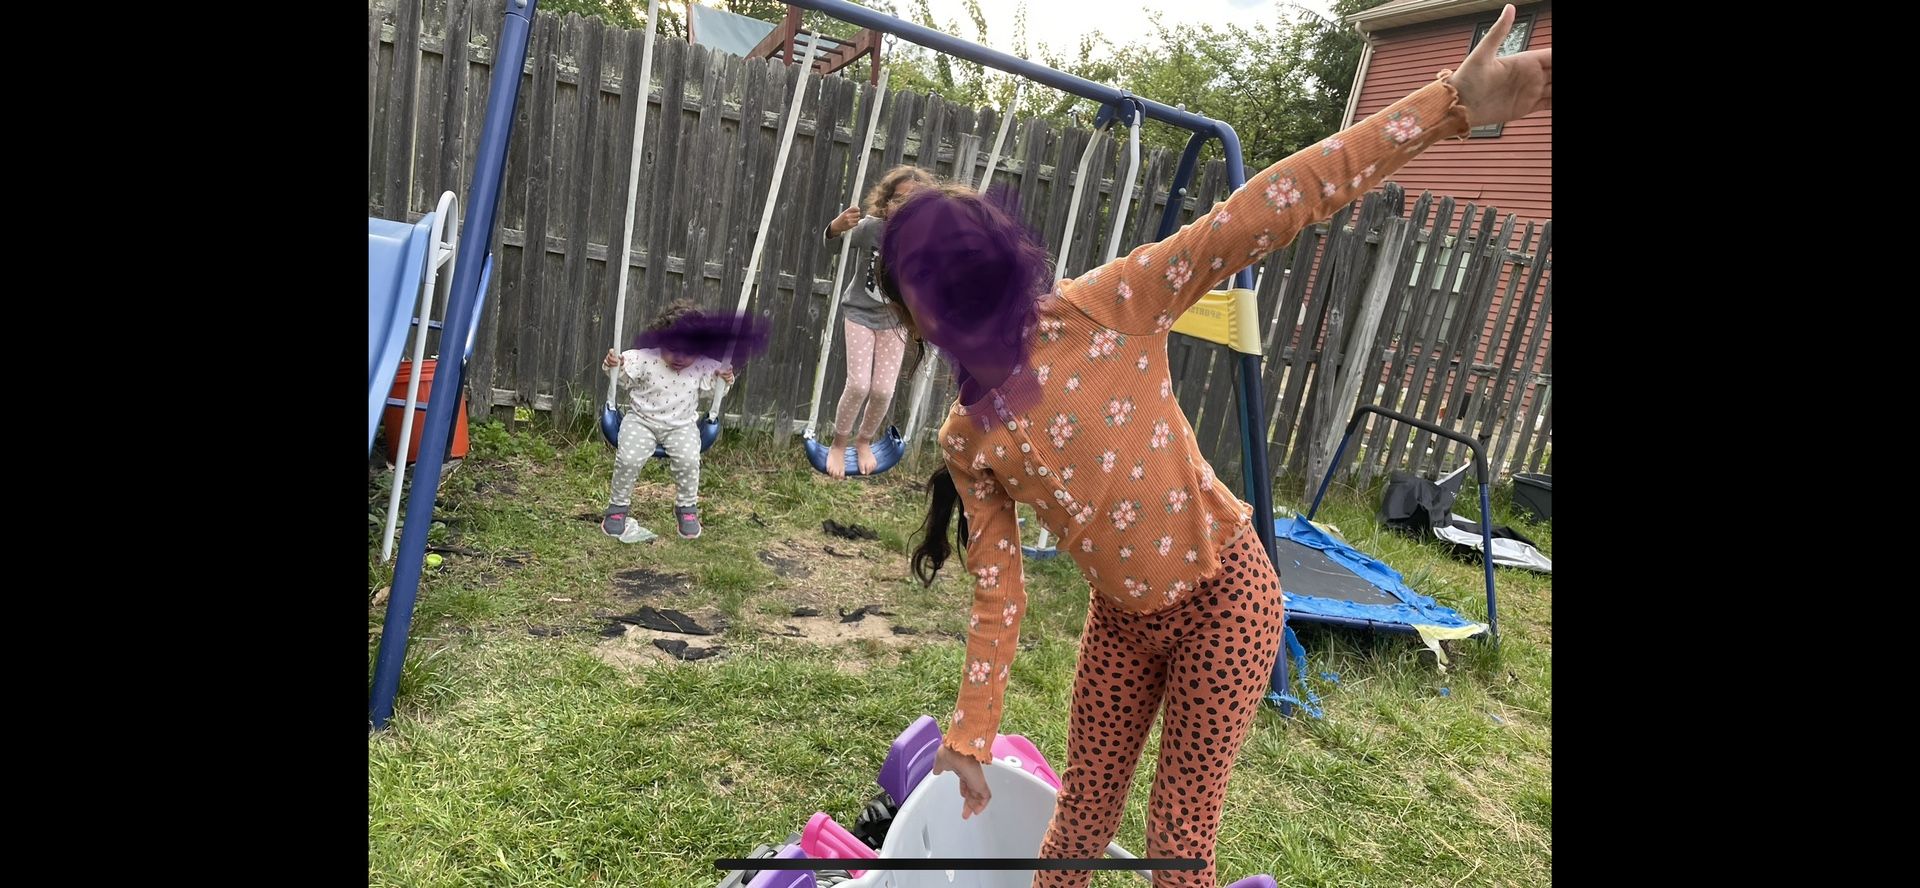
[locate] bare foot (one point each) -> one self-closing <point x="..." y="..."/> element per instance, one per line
<point x="863" y="453"/>
<point x="837" y="461"/>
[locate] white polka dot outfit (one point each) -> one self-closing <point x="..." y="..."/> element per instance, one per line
<point x="663" y="404"/>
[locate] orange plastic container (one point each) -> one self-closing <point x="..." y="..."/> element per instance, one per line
<point x="391" y="419"/>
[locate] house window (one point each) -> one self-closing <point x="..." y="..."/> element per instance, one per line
<point x="1516" y="42"/>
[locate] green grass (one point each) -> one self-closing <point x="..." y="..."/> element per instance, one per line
<point x="518" y="758"/>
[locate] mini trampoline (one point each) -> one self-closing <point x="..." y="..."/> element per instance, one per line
<point x="1329" y="582"/>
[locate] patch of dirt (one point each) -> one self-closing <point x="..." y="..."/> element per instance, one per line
<point x="647" y="637"/>
<point x="641" y="584"/>
<point x="785" y="566"/>
<point x="631" y="653"/>
<point x="861" y="612"/>
<point x="635" y="647"/>
<point x="832" y="630"/>
<point x="882" y="490"/>
<point x="846" y="577"/>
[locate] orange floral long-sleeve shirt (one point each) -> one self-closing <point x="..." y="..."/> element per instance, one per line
<point x="1106" y="458"/>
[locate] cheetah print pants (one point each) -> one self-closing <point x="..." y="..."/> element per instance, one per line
<point x="1204" y="663"/>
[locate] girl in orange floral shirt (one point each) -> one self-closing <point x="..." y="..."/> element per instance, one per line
<point x="1066" y="405"/>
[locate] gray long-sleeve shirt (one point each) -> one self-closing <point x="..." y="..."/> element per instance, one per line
<point x="863" y="302"/>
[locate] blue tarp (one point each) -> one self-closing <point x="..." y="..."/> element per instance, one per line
<point x="1414" y="609"/>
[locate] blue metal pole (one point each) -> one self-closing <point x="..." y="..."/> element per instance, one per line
<point x="1182" y="174"/>
<point x="1486" y="548"/>
<point x="483" y="200"/>
<point x="1253" y="425"/>
<point x="1253" y="429"/>
<point x="1339" y="453"/>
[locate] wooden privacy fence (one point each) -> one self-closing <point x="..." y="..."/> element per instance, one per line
<point x="1458" y="332"/>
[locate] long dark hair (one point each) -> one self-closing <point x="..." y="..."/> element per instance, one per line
<point x="943" y="500"/>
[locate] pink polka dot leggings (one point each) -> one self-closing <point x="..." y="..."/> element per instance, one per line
<point x="873" y="367"/>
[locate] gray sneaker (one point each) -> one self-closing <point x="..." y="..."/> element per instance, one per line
<point x="614" y="521"/>
<point x="621" y="526"/>
<point x="689" y="518"/>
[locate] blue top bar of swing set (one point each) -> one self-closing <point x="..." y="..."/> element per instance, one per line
<point x="1112" y="99"/>
<point x="974" y="52"/>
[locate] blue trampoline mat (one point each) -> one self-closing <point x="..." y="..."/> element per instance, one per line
<point x="1328" y="581"/>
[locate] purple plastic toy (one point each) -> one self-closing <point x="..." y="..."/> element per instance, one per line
<point x="1255" y="882"/>
<point x="786" y="878"/>
<point x="910" y="759"/>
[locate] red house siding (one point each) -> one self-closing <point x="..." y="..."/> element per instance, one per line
<point x="1513" y="171"/>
